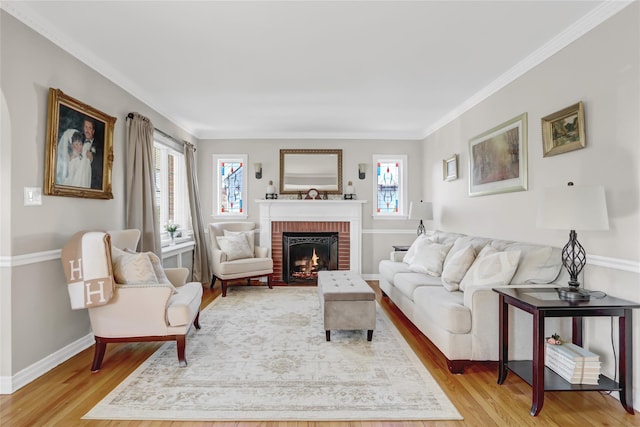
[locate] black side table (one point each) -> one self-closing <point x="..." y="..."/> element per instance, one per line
<point x="544" y="302"/>
<point x="401" y="248"/>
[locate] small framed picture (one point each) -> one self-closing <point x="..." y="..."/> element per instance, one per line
<point x="79" y="149"/>
<point x="563" y="131"/>
<point x="450" y="168"/>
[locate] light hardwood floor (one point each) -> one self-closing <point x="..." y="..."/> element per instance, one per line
<point x="62" y="396"/>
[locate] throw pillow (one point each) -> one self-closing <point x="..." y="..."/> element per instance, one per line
<point x="413" y="249"/>
<point x="133" y="269"/>
<point x="491" y="268"/>
<point x="249" y="235"/>
<point x="235" y="247"/>
<point x="156" y="263"/>
<point x="429" y="258"/>
<point x="456" y="267"/>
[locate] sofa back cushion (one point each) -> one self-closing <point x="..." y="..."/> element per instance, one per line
<point x="413" y="249"/>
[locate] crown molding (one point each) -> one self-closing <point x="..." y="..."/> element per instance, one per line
<point x="587" y="23"/>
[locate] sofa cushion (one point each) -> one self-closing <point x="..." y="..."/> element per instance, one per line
<point x="408" y="282"/>
<point x="429" y="258"/>
<point x="445" y="309"/>
<point x="445" y="236"/>
<point x="235" y="246"/>
<point x="491" y="268"/>
<point x="538" y="264"/>
<point x="454" y="271"/>
<point x="388" y="269"/>
<point x="413" y="249"/>
<point x="478" y="243"/>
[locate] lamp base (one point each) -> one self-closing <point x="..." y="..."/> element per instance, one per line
<point x="571" y="293"/>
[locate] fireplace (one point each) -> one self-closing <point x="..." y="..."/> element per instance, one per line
<point x="304" y="254"/>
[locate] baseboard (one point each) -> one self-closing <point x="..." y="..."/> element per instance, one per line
<point x="9" y="385"/>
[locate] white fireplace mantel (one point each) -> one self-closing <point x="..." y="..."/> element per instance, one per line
<point x="315" y="210"/>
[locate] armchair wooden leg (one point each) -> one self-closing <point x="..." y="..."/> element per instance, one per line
<point x="98" y="355"/>
<point x="224" y="288"/>
<point x="213" y="281"/>
<point x="269" y="282"/>
<point x="196" y="321"/>
<point x="181" y="344"/>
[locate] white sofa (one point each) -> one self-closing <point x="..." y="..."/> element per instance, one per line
<point x="463" y="324"/>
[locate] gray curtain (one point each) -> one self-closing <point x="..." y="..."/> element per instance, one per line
<point x="201" y="272"/>
<point x="140" y="184"/>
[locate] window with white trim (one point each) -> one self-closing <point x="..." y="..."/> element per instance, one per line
<point x="230" y="176"/>
<point x="390" y="192"/>
<point x="172" y="196"/>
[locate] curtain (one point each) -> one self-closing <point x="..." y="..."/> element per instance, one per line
<point x="140" y="184"/>
<point x="201" y="272"/>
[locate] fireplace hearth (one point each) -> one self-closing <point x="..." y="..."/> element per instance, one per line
<point x="304" y="254"/>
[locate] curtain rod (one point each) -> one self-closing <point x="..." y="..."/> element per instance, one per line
<point x="130" y="116"/>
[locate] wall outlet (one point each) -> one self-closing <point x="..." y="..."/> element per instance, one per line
<point x="32" y="196"/>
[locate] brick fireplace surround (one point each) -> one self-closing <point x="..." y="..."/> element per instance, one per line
<point x="342" y="216"/>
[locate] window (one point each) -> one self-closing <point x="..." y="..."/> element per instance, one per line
<point x="172" y="197"/>
<point x="390" y="186"/>
<point x="230" y="196"/>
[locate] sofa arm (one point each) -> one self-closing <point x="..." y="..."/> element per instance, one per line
<point x="397" y="256"/>
<point x="134" y="310"/>
<point x="177" y="276"/>
<point x="261" y="252"/>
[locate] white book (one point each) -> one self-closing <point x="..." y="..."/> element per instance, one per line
<point x="571" y="351"/>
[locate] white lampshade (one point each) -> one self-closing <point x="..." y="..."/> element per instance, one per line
<point x="420" y="210"/>
<point x="573" y="207"/>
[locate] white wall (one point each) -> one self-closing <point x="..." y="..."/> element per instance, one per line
<point x="267" y="152"/>
<point x="602" y="70"/>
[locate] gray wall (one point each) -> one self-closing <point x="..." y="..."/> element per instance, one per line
<point x="602" y="70"/>
<point x="34" y="308"/>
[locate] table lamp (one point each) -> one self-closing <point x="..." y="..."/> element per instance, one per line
<point x="420" y="210"/>
<point x="573" y="208"/>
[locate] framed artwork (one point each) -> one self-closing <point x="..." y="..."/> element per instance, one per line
<point x="498" y="159"/>
<point x="450" y="168"/>
<point x="563" y="131"/>
<point x="79" y="149"/>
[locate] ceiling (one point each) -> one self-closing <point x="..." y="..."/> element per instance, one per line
<point x="312" y="69"/>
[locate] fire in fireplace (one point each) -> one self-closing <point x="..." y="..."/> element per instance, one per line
<point x="304" y="254"/>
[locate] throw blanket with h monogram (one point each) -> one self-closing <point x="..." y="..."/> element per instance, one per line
<point x="86" y="259"/>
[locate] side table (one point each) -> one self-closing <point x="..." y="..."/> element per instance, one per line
<point x="545" y="302"/>
<point x="401" y="248"/>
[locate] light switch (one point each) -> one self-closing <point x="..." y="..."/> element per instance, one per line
<point x="32" y="196"/>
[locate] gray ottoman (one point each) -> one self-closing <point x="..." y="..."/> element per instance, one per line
<point x="347" y="302"/>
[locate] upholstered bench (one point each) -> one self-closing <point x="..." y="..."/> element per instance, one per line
<point x="347" y="302"/>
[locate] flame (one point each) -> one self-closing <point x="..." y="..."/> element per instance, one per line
<point x="314" y="258"/>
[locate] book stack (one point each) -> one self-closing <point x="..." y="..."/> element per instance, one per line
<point x="573" y="363"/>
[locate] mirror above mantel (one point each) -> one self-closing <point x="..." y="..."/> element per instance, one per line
<point x="304" y="169"/>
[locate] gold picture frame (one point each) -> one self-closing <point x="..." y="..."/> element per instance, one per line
<point x="563" y="131"/>
<point x="450" y="168"/>
<point x="498" y="159"/>
<point x="79" y="149"/>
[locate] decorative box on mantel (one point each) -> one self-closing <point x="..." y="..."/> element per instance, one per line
<point x="324" y="215"/>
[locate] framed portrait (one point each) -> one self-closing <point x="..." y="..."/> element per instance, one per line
<point x="498" y="159"/>
<point x="563" y="131"/>
<point x="450" y="168"/>
<point x="79" y="149"/>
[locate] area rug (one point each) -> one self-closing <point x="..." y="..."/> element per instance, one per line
<point x="262" y="355"/>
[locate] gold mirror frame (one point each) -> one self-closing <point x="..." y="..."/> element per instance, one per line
<point x="290" y="158"/>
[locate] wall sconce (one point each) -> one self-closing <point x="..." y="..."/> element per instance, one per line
<point x="258" y="168"/>
<point x="362" y="168"/>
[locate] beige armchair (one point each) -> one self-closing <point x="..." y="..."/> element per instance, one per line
<point x="146" y="311"/>
<point x="234" y="254"/>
